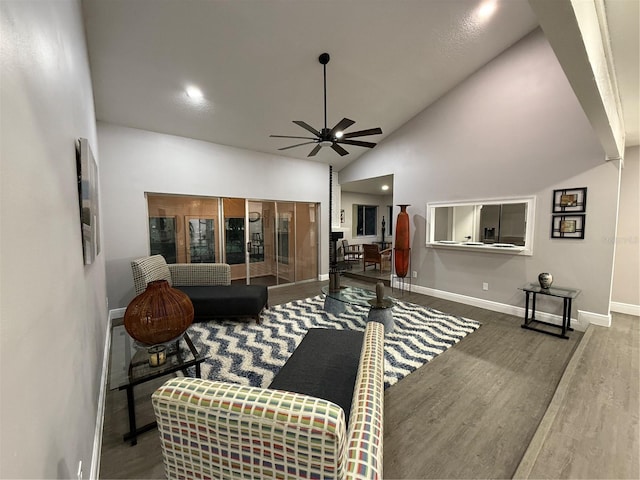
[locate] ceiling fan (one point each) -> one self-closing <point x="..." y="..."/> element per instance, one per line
<point x="335" y="136"/>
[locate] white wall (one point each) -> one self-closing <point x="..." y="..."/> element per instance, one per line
<point x="53" y="310"/>
<point x="349" y="199"/>
<point x="626" y="281"/>
<point x="138" y="161"/>
<point x="514" y="128"/>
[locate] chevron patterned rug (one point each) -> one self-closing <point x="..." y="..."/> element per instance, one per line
<point x="252" y="354"/>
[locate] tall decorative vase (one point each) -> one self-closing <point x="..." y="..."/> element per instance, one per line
<point x="401" y="249"/>
<point x="159" y="314"/>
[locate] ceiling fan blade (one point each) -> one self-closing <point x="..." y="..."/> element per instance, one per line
<point x="341" y="126"/>
<point x="289" y="136"/>
<point x="308" y="127"/>
<point x="363" y="133"/>
<point x="341" y="151"/>
<point x="315" y="150"/>
<point x="298" y="145"/>
<point x="357" y="143"/>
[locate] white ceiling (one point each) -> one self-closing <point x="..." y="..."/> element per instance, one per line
<point x="257" y="63"/>
<point x="371" y="186"/>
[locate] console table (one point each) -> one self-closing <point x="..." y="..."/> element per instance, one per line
<point x="531" y="290"/>
<point x="130" y="367"/>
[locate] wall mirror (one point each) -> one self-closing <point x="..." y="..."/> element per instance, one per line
<point x="497" y="225"/>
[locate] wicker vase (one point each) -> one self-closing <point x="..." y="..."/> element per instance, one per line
<point x="159" y="314"/>
<point x="401" y="249"/>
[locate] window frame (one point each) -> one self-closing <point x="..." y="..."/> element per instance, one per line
<point x="360" y="214"/>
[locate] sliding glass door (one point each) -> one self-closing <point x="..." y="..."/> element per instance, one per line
<point x="265" y="242"/>
<point x="307" y="226"/>
<point x="183" y="229"/>
<point x="261" y="243"/>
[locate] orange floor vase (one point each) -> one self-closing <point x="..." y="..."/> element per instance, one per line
<point x="402" y="249"/>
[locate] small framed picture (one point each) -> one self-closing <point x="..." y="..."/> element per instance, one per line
<point x="572" y="200"/>
<point x="568" y="226"/>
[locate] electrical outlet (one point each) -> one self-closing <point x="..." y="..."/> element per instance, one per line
<point x="80" y="473"/>
<point x="485" y="286"/>
<point x="414" y="274"/>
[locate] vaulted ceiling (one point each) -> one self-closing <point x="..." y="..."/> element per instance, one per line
<point x="256" y="63"/>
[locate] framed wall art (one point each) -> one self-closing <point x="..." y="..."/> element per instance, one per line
<point x="573" y="200"/>
<point x="568" y="226"/>
<point x="87" y="170"/>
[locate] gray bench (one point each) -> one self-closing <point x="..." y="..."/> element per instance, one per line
<point x="324" y="365"/>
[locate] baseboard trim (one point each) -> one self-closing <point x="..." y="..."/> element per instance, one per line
<point x="580" y="323"/>
<point x="627" y="308"/>
<point x="117" y="313"/>
<point x="595" y="318"/>
<point x="102" y="398"/>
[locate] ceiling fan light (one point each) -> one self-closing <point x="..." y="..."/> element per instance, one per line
<point x="326" y="143"/>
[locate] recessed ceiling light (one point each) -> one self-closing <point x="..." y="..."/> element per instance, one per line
<point x="385" y="187"/>
<point x="339" y="134"/>
<point x="486" y="9"/>
<point x="194" y="92"/>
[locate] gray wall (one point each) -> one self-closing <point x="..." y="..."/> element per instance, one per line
<point x="53" y="313"/>
<point x="513" y="128"/>
<point x="138" y="161"/>
<point x="626" y="281"/>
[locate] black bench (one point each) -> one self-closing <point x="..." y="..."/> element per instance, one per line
<point x="324" y="365"/>
<point x="226" y="301"/>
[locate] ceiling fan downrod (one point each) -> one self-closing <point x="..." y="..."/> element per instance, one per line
<point x="325" y="141"/>
<point x="330" y="137"/>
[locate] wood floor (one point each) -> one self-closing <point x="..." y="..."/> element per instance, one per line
<point x="473" y="411"/>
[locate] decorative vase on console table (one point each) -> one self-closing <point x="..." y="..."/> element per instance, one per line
<point x="401" y="249"/>
<point x="545" y="280"/>
<point x="157" y="316"/>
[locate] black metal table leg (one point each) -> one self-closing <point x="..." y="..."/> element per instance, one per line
<point x="533" y="307"/>
<point x="566" y="317"/>
<point x="132" y="417"/>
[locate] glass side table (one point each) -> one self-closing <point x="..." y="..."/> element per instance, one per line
<point x="130" y="367"/>
<point x="567" y="295"/>
<point x="336" y="301"/>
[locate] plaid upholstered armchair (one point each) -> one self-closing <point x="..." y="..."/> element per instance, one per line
<point x="226" y="431"/>
<point x="208" y="285"/>
<point x="155" y="267"/>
